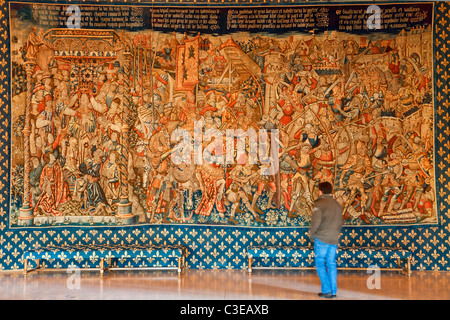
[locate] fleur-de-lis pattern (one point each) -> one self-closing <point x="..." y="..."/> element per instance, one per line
<point x="214" y="247"/>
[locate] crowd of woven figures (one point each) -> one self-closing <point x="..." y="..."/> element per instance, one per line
<point x="352" y="111"/>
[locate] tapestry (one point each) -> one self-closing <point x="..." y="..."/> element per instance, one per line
<point x="222" y="116"/>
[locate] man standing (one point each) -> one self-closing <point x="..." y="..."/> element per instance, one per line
<point x="326" y="224"/>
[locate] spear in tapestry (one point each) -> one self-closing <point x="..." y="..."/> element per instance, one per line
<point x="151" y="73"/>
<point x="146" y="61"/>
<point x="134" y="67"/>
<point x="151" y="79"/>
<point x="140" y="69"/>
<point x="151" y="60"/>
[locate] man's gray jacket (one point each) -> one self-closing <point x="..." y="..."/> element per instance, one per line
<point x="326" y="220"/>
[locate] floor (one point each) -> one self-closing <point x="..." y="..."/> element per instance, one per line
<point x="221" y="285"/>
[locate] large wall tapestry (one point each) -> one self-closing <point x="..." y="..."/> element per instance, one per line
<point x="128" y="115"/>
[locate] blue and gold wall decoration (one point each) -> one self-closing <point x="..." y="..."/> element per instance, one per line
<point x="89" y="114"/>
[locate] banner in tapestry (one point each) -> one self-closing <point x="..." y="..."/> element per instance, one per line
<point x="221" y="115"/>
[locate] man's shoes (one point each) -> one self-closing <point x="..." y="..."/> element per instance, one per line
<point x="327" y="295"/>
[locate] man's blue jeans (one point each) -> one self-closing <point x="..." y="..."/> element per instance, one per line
<point x="325" y="259"/>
